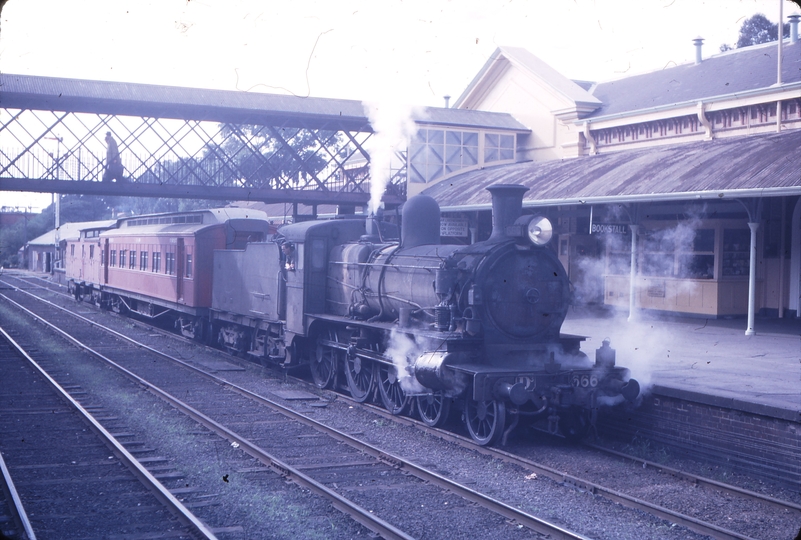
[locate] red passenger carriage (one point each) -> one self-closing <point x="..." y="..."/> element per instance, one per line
<point x="161" y="266"/>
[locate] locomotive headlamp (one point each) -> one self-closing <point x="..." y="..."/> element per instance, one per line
<point x="534" y="229"/>
<point x="539" y="230"/>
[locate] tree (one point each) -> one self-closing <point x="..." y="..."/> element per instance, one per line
<point x="74" y="208"/>
<point x="758" y="29"/>
<point x="261" y="157"/>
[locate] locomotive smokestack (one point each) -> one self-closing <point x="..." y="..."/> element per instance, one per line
<point x="507" y="205"/>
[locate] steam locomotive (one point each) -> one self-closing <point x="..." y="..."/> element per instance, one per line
<point x="409" y="321"/>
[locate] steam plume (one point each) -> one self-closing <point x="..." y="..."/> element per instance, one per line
<point x="393" y="126"/>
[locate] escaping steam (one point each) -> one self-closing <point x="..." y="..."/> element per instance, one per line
<point x="663" y="253"/>
<point x="393" y="125"/>
<point x="404" y="350"/>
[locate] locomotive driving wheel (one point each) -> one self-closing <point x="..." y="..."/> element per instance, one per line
<point x="393" y="396"/>
<point x="485" y="420"/>
<point x="359" y="372"/>
<point x="434" y="408"/>
<point x="325" y="362"/>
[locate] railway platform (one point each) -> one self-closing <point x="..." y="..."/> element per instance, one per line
<point x="712" y="357"/>
<point x="709" y="390"/>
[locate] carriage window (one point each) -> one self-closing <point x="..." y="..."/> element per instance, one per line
<point x="72" y="250"/>
<point x="143" y="261"/>
<point x="91" y="252"/>
<point x="188" y="265"/>
<point x="156" y="261"/>
<point x="113" y="258"/>
<point x="169" y="263"/>
<point x="318" y="254"/>
<point x="122" y="258"/>
<point x="132" y="260"/>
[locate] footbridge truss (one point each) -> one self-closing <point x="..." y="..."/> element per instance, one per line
<point x="185" y="142"/>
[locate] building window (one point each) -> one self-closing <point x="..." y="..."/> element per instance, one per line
<point x="188" y="265"/>
<point x="113" y="258"/>
<point x="461" y="150"/>
<point x="143" y="261"/>
<point x="426" y="155"/>
<point x="433" y="153"/>
<point x="658" y="254"/>
<point x="618" y="248"/>
<point x="169" y="263"/>
<point x="156" y="261"/>
<point x="700" y="262"/>
<point x="679" y="253"/>
<point x="132" y="260"/>
<point x="736" y="252"/>
<point x="498" y="147"/>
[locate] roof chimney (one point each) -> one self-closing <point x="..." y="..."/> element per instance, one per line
<point x="699" y="41"/>
<point x="794" y="27"/>
<point x="447" y="101"/>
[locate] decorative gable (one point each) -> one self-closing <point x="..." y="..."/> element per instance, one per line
<point x="516" y="82"/>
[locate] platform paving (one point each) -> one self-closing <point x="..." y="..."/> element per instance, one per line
<point x="711" y="359"/>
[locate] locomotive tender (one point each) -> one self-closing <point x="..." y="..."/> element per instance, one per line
<point x="411" y="321"/>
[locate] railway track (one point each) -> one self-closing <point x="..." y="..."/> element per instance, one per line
<point x="536" y="469"/>
<point x="75" y="479"/>
<point x="334" y="458"/>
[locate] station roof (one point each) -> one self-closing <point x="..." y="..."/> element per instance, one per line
<point x="755" y="166"/>
<point x="70" y="231"/>
<point x="733" y="72"/>
<point x="104" y="97"/>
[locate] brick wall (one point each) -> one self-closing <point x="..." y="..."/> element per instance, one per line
<point x="764" y="443"/>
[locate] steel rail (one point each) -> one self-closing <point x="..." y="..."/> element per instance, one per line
<point x="162" y="493"/>
<point x="700" y="480"/>
<point x="17" y="508"/>
<point x="564" y="478"/>
<point x="537" y="524"/>
<point x="358" y="513"/>
<point x="632" y="502"/>
<point x="694" y="524"/>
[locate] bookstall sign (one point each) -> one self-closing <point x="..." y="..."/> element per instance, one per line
<point x="609" y="228"/>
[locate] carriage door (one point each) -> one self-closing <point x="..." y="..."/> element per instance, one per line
<point x="294" y="292"/>
<point x="104" y="262"/>
<point x="306" y="284"/>
<point x="179" y="270"/>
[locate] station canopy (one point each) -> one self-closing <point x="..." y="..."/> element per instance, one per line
<point x="738" y="167"/>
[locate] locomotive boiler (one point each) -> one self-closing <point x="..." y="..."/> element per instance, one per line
<point x="421" y="325"/>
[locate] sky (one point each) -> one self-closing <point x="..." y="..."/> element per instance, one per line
<point x="394" y="51"/>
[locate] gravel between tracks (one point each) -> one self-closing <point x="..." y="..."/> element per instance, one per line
<point x="250" y="504"/>
<point x="578" y="511"/>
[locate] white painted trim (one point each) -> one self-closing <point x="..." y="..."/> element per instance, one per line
<point x="712" y="103"/>
<point x="795" y="260"/>
<point x="689" y="196"/>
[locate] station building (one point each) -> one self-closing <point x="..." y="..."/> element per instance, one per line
<point x="48" y="252"/>
<point x="668" y="190"/>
